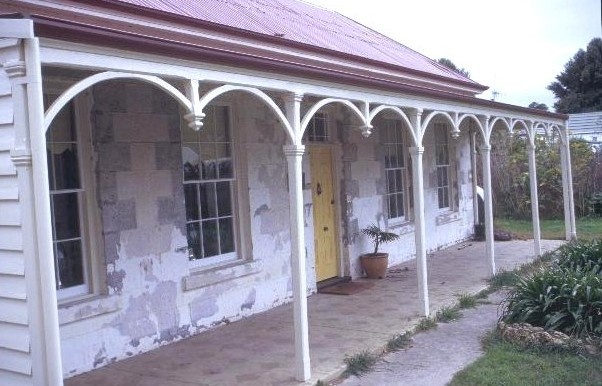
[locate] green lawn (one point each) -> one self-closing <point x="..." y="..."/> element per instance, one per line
<point x="504" y="364"/>
<point x="587" y="228"/>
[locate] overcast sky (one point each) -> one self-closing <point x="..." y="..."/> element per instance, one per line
<point x="516" y="47"/>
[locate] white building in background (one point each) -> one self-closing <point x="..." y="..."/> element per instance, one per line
<point x="587" y="126"/>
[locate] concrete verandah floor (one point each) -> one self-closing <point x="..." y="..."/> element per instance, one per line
<point x="259" y="350"/>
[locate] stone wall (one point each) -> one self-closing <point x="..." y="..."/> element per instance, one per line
<point x="152" y="294"/>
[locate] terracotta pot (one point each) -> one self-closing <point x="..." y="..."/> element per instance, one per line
<point x="375" y="265"/>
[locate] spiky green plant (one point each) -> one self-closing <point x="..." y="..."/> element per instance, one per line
<point x="379" y="236"/>
<point x="466" y="301"/>
<point x="447" y="314"/>
<point x="558" y="298"/>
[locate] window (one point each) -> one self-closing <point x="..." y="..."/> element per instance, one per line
<point x="442" y="165"/>
<point x="209" y="183"/>
<point x="395" y="168"/>
<point x="317" y="130"/>
<point x="67" y="143"/>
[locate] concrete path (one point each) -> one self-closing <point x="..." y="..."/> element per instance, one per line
<point x="436" y="355"/>
<point x="259" y="350"/>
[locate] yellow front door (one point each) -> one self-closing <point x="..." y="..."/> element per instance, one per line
<point x="323" y="197"/>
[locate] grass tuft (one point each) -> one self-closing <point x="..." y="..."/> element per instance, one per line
<point x="466" y="301"/>
<point x="360" y="363"/>
<point x="425" y="324"/>
<point x="503" y="279"/>
<point x="448" y="314"/>
<point x="399" y="342"/>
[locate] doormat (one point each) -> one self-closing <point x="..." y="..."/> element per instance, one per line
<point x="348" y="288"/>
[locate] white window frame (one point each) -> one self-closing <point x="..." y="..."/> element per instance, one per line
<point x="238" y="254"/>
<point x="398" y="126"/>
<point x="89" y="211"/>
<point x="311" y="128"/>
<point x="445" y="165"/>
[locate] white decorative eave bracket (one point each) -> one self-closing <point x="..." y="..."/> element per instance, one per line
<point x="455" y="133"/>
<point x="196" y="115"/>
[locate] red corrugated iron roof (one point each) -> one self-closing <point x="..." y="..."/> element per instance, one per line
<point x="303" y="23"/>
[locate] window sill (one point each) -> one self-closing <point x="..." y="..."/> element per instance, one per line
<point x="447" y="217"/>
<point x="218" y="274"/>
<point x="89" y="307"/>
<point x="401" y="227"/>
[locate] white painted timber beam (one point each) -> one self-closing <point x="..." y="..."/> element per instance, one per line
<point x="420" y="230"/>
<point x="294" y="156"/>
<point x="489" y="243"/>
<point x="569" y="177"/>
<point x="534" y="199"/>
<point x="29" y="157"/>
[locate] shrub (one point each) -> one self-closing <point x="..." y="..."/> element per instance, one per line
<point x="466" y="301"/>
<point x="581" y="255"/>
<point x="565" y="299"/>
<point x="360" y="363"/>
<point x="399" y="342"/>
<point x="425" y="324"/>
<point x="447" y="314"/>
<point x="503" y="279"/>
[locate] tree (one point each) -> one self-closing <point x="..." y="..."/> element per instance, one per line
<point x="579" y="87"/>
<point x="539" y="106"/>
<point x="449" y="64"/>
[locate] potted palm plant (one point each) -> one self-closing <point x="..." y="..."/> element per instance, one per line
<point x="375" y="264"/>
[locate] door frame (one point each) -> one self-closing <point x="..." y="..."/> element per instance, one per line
<point x="336" y="165"/>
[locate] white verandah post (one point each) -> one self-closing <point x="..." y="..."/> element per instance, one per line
<point x="534" y="199"/>
<point x="294" y="154"/>
<point x="489" y="246"/>
<point x="419" y="231"/>
<point x="473" y="166"/>
<point x="568" y="184"/>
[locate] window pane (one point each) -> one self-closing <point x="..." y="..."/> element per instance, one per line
<point x="208" y="202"/>
<point x="224" y="199"/>
<point x="70" y="264"/>
<point x="191" y="201"/>
<point x="222" y="129"/>
<point x="210" y="238"/>
<point x="207" y="132"/>
<point x="400" y="209"/>
<point x="391" y="181"/>
<point x="445" y="197"/>
<point x="226" y="234"/>
<point x="392" y="207"/>
<point x="66" y="215"/>
<point x="440" y="198"/>
<point x="208" y="161"/>
<point x="190" y="161"/>
<point x="62" y="128"/>
<point x="398" y="181"/>
<point x="65" y="166"/>
<point x="442" y="176"/>
<point x="400" y="158"/>
<point x="50" y="166"/>
<point x="224" y="157"/>
<point x="189" y="135"/>
<point x="387" y="157"/>
<point x="193" y="235"/>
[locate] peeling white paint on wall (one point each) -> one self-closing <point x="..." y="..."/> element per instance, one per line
<point x="153" y="296"/>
